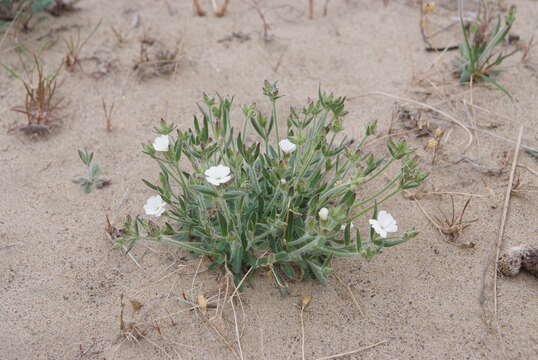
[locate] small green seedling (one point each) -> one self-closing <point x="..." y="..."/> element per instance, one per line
<point x="93" y="177"/>
<point x="478" y="58"/>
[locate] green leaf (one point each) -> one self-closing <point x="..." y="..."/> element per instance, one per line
<point x="358" y="241"/>
<point x="81" y="180"/>
<point x="390" y="243"/>
<point x="39" y="5"/>
<point x="88" y="187"/>
<point x="236" y="257"/>
<point x="349" y="198"/>
<point x="287" y="269"/>
<point x="347" y="234"/>
<point x="195" y="247"/>
<point x="488" y="78"/>
<point x="94" y="169"/>
<point x="257" y="127"/>
<point x="206" y="190"/>
<point x="223" y="225"/>
<point x="231" y="194"/>
<point x="533" y="153"/>
<point x="319" y="272"/>
<point x="151" y="186"/>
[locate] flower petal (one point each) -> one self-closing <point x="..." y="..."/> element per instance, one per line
<point x="393" y="227"/>
<point x="377" y="227"/>
<point x="161" y="143"/>
<point x="287" y="146"/>
<point x="213" y="181"/>
<point x="225" y="179"/>
<point x="222" y="171"/>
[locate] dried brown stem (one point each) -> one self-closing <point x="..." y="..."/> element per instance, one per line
<point x="220" y="11"/>
<point x="503" y="220"/>
<point x="197" y="8"/>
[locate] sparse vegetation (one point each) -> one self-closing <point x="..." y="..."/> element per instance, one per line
<point x="155" y="59"/>
<point x="451" y="226"/>
<point x="479" y="55"/>
<point x="74" y="45"/>
<point x="41" y="104"/>
<point x="93" y="178"/>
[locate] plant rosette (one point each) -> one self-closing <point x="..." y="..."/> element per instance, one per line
<point x="285" y="202"/>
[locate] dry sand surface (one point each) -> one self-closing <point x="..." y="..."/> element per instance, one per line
<point x="61" y="279"/>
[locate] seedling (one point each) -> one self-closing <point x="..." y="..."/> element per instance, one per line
<point x="93" y="177"/>
<point x="479" y="56"/>
<point x="41" y="102"/>
<point x="74" y="46"/>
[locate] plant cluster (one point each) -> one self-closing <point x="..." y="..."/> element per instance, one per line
<point x="479" y="55"/>
<point x="41" y="103"/>
<point x="155" y="59"/>
<point x="287" y="207"/>
<point x="93" y="178"/>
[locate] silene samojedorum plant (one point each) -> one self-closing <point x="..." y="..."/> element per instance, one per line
<point x="478" y="59"/>
<point x="93" y="178"/>
<point x="287" y="206"/>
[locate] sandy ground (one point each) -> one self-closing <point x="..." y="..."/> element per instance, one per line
<point x="61" y="280"/>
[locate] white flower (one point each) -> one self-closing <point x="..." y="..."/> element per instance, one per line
<point x="161" y="143"/>
<point x="155" y="206"/>
<point x="343" y="227"/>
<point x="323" y="214"/>
<point x="217" y="175"/>
<point x="287" y="146"/>
<point x="283" y="181"/>
<point x="384" y="224"/>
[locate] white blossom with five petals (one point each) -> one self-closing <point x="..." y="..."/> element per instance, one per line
<point x="217" y="175"/>
<point x="161" y="143"/>
<point x="384" y="224"/>
<point x="287" y="146"/>
<point x="155" y="206"/>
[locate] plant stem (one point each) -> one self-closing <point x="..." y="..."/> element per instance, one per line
<point x="375" y="195"/>
<point x="364" y="211"/>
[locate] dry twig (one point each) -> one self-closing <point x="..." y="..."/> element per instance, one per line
<point x="503" y="220"/>
<point x="352" y="352"/>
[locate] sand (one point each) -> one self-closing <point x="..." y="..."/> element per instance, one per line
<point x="61" y="279"/>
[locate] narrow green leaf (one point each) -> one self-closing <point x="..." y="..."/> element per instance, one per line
<point x="232" y="194"/>
<point x="223" y="224"/>
<point x="151" y="186"/>
<point x="206" y="190"/>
